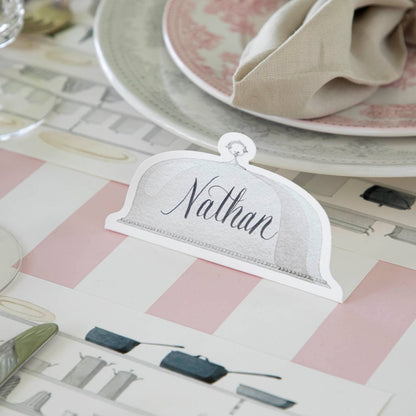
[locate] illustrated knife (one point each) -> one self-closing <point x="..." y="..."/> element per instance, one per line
<point x="15" y="352"/>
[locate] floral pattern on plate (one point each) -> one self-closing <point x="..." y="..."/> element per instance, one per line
<point x="130" y="48"/>
<point x="207" y="37"/>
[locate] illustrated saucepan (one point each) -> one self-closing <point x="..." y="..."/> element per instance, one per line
<point x="201" y="368"/>
<point x="118" y="342"/>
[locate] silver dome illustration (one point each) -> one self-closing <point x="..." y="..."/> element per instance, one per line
<point x="225" y="210"/>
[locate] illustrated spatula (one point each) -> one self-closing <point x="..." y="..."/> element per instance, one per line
<point x="117" y="342"/>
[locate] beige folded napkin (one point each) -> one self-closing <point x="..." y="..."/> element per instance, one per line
<point x="316" y="57"/>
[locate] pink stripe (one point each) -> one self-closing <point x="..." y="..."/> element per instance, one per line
<point x="204" y="296"/>
<point x="14" y="168"/>
<point x="80" y="243"/>
<point x="358" y="335"/>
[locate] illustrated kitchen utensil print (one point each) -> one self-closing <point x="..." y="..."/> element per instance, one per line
<point x="86" y="369"/>
<point x="201" y="368"/>
<point x="406" y="235"/>
<point x="120" y="381"/>
<point x="389" y="197"/>
<point x="264" y="397"/>
<point x="117" y="342"/>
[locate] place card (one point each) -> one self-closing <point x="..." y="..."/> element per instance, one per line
<point x="222" y="209"/>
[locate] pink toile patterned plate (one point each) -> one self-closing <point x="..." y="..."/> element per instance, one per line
<point x="205" y="38"/>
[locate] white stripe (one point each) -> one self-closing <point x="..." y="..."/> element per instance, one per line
<point x="143" y="271"/>
<point x="44" y="200"/>
<point x="279" y="320"/>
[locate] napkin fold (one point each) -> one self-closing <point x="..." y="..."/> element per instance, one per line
<point x="316" y="57"/>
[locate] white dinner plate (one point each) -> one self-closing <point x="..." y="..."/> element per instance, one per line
<point x="206" y="38"/>
<point x="130" y="47"/>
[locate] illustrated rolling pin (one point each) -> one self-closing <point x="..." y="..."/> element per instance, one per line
<point x="117" y="342"/>
<point x="200" y="368"/>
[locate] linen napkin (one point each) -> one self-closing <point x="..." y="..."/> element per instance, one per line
<point x="316" y="57"/>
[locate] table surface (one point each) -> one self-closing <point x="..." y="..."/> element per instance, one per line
<point x="59" y="182"/>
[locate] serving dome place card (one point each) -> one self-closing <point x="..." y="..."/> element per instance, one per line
<point x="225" y="210"/>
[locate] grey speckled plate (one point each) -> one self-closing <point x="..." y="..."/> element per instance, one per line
<point x="130" y="47"/>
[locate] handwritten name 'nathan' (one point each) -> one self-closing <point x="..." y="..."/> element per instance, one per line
<point x="226" y="208"/>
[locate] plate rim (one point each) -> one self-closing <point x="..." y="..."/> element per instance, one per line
<point x="262" y="157"/>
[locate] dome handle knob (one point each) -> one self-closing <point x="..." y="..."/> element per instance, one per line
<point x="237" y="146"/>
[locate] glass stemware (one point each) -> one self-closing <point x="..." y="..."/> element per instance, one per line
<point x="23" y="107"/>
<point x="10" y="258"/>
<point x="11" y="20"/>
<point x="11" y="23"/>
